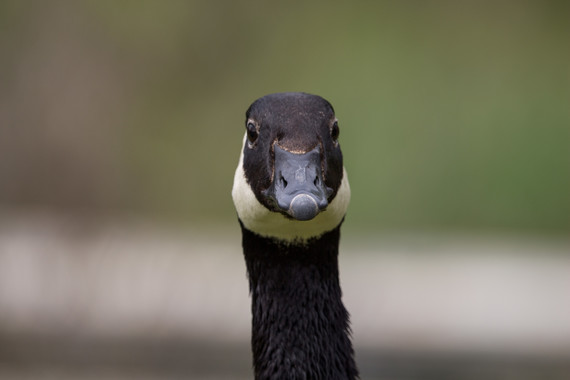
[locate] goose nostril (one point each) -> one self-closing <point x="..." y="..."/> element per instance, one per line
<point x="283" y="182"/>
<point x="317" y="181"/>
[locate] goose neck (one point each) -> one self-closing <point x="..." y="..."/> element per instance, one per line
<point x="300" y="325"/>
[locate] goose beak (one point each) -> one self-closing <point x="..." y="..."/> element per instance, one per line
<point x="298" y="189"/>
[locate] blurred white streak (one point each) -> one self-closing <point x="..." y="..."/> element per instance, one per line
<point x="506" y="296"/>
<point x="59" y="277"/>
<point x="126" y="279"/>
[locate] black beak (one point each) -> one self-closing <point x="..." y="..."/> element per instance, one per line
<point x="298" y="188"/>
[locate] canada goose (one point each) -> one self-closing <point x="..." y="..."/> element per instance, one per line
<point x="291" y="193"/>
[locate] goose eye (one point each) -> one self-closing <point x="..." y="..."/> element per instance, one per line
<point x="335" y="132"/>
<point x="252" y="133"/>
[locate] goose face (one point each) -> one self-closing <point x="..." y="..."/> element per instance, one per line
<point x="291" y="171"/>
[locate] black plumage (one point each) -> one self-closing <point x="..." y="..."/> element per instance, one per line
<point x="298" y="121"/>
<point x="300" y="326"/>
<point x="291" y="194"/>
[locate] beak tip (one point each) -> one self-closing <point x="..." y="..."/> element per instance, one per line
<point x="303" y="207"/>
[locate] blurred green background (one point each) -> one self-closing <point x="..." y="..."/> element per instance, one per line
<point x="454" y="115"/>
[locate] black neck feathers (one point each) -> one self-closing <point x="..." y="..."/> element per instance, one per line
<point x="300" y="327"/>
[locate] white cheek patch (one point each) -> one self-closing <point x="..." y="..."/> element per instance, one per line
<point x="257" y="218"/>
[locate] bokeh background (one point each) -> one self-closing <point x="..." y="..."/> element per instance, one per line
<point x="120" y="129"/>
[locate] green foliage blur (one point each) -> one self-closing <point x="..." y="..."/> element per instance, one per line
<point x="454" y="115"/>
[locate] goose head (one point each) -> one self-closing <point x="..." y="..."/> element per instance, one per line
<point x="290" y="183"/>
